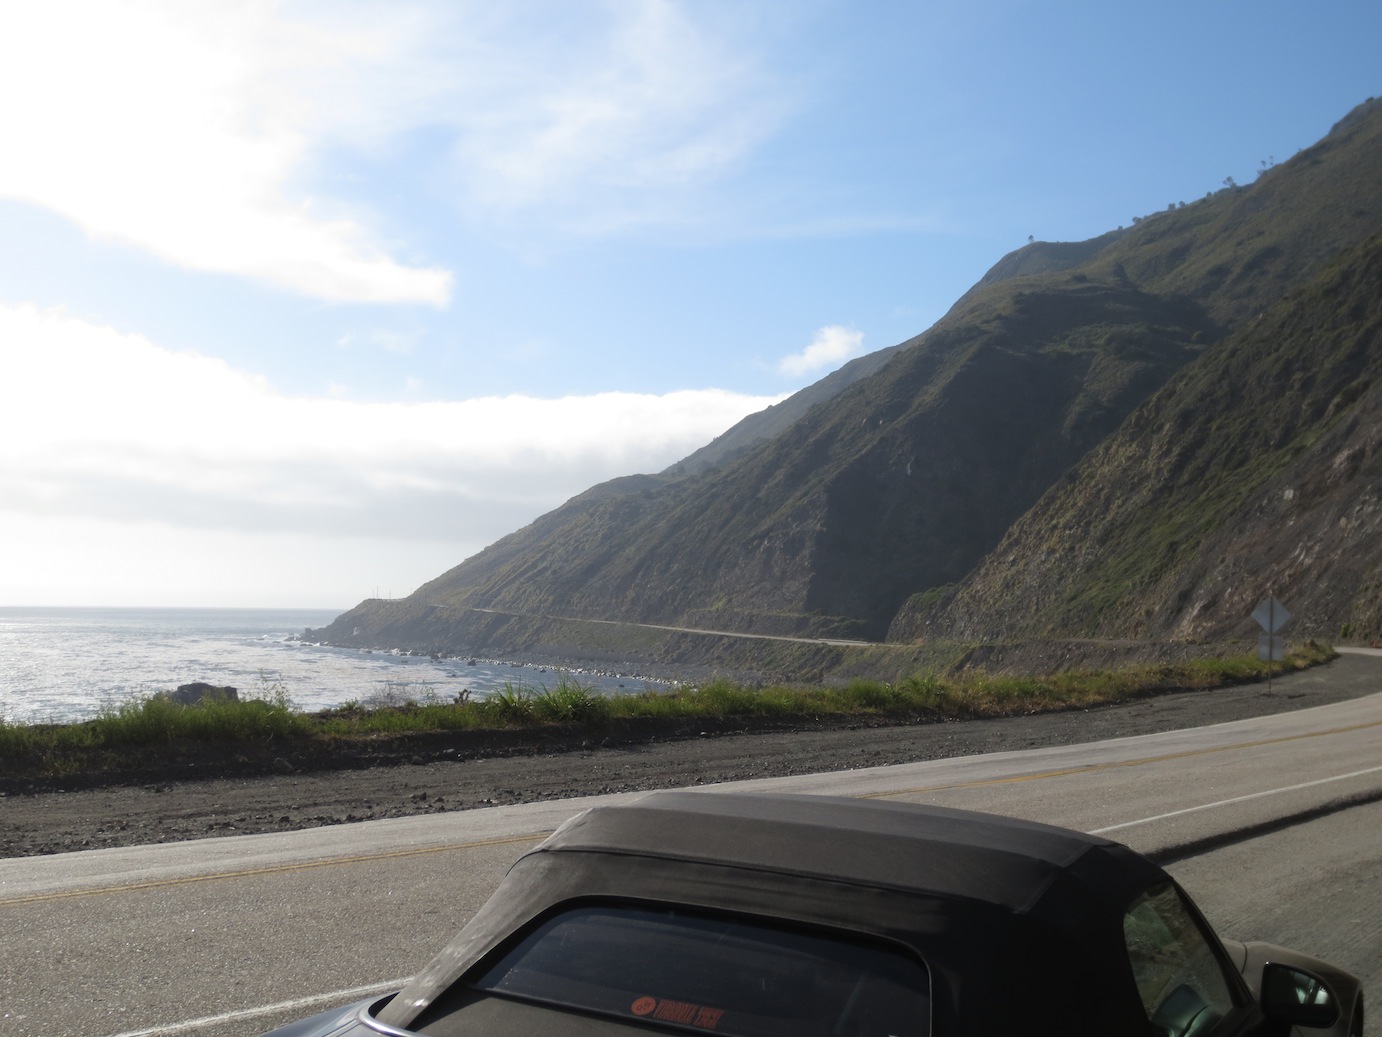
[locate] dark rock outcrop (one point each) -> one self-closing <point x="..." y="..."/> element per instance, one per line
<point x="199" y="691"/>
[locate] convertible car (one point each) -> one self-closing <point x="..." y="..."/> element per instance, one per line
<point x="807" y="916"/>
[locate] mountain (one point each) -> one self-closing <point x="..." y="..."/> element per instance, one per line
<point x="769" y="422"/>
<point x="1256" y="470"/>
<point x="916" y="491"/>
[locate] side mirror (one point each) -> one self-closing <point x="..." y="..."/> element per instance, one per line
<point x="1292" y="995"/>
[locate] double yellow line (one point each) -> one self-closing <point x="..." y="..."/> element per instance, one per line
<point x="275" y="869"/>
<point x="268" y="869"/>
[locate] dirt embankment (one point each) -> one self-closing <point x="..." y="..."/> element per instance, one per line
<point x="432" y="776"/>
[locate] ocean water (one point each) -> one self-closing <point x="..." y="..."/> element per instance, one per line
<point x="59" y="665"/>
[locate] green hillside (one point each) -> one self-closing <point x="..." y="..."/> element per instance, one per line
<point x="860" y="508"/>
<point x="1256" y="470"/>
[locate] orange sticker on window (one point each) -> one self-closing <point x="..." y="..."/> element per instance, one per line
<point x="708" y="1018"/>
<point x="683" y="1012"/>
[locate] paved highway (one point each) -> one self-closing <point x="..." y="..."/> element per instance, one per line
<point x="1273" y="824"/>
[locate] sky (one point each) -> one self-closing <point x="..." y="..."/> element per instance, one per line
<point x="304" y="303"/>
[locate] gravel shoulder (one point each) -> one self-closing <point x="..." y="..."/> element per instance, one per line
<point x="44" y="822"/>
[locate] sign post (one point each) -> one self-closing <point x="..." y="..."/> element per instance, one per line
<point x="1271" y="616"/>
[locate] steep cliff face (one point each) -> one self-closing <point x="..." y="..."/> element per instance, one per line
<point x="1256" y="470"/>
<point x="891" y="484"/>
<point x="938" y="457"/>
<point x="903" y="480"/>
<point x="1242" y="249"/>
<point x="771" y="422"/>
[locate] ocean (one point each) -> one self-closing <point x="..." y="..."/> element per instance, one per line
<point x="60" y="665"/>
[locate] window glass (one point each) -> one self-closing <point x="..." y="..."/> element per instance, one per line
<point x="1180" y="981"/>
<point x="729" y="975"/>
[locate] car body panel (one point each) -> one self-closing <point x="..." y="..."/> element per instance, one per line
<point x="1021" y="925"/>
<point x="1347" y="989"/>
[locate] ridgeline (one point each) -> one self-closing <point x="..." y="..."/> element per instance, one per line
<point x="1106" y="450"/>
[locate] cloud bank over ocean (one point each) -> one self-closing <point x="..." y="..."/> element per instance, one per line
<point x="116" y="433"/>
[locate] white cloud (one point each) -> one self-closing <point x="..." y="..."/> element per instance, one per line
<point x="211" y="134"/>
<point x="109" y="428"/>
<point x="613" y="119"/>
<point x="831" y="347"/>
<point x="184" y="128"/>
<point x="152" y="563"/>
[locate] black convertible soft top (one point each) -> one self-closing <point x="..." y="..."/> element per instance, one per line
<point x="985" y="901"/>
<point x="1002" y="861"/>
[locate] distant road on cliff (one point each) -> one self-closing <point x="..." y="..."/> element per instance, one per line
<point x="1119" y="642"/>
<point x="659" y="626"/>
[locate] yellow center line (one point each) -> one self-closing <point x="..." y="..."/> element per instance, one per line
<point x="277" y="869"/>
<point x="1095" y="768"/>
<point x="271" y="869"/>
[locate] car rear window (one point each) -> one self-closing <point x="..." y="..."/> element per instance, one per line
<point x="743" y="977"/>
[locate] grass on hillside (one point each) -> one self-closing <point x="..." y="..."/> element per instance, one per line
<point x="153" y="721"/>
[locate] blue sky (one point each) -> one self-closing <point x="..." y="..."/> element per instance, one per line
<point x="301" y="303"/>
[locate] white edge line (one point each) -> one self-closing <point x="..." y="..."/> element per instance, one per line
<point x="342" y="996"/>
<point x="1235" y="799"/>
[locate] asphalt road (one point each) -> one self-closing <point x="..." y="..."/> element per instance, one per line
<point x="1273" y="824"/>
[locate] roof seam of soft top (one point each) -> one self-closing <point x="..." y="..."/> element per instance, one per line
<point x="764" y="869"/>
<point x="1050" y="880"/>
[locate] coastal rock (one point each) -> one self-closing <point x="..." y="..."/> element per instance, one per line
<point x="200" y="691"/>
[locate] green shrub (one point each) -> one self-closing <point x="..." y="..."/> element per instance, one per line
<point x="871" y="695"/>
<point x="509" y="705"/>
<point x="723" y="697"/>
<point x="570" y="702"/>
<point x="154" y="720"/>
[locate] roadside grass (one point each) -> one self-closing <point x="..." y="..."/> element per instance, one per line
<point x="148" y="722"/>
<point x="145" y="723"/>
